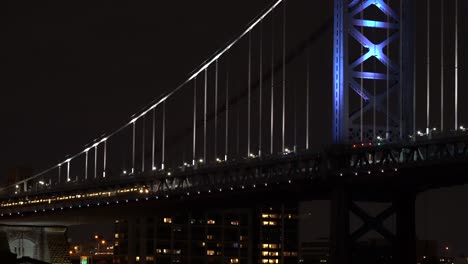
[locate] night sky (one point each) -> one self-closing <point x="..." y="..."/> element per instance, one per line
<point x="71" y="71"/>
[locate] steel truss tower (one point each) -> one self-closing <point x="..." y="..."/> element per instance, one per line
<point x="357" y="21"/>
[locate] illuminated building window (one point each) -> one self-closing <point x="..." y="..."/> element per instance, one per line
<point x="265" y="215"/>
<point x="273" y="246"/>
<point x="243" y="238"/>
<point x="137" y="258"/>
<point x="211" y="222"/>
<point x="202" y="244"/>
<point x="234" y="260"/>
<point x="270" y="254"/>
<point x="116" y="235"/>
<point x="235" y="223"/>
<point x="177" y="251"/>
<point x="149" y="258"/>
<point x="158" y="250"/>
<point x="209" y="237"/>
<point x="165" y="251"/>
<point x="210" y="252"/>
<point x="167" y="220"/>
<point x="269" y="223"/>
<point x="270" y="261"/>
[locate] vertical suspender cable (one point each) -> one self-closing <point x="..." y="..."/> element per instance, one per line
<point x="133" y="148"/>
<point x="104" y="166"/>
<point x="95" y="162"/>
<point x="86" y="166"/>
<point x="456" y="64"/>
<point x="307" y="94"/>
<point x="204" y="117"/>
<point x="387" y="128"/>
<point x="194" y="142"/>
<point x="153" y="144"/>
<point x="400" y="99"/>
<point x="227" y="117"/>
<point x="414" y="91"/>
<point x="237" y="131"/>
<point x="216" y="113"/>
<point x="163" y="135"/>
<point x="260" y="92"/>
<point x="272" y="82"/>
<point x="249" y="91"/>
<point x="284" y="77"/>
<point x="68" y="171"/>
<point x="295" y="117"/>
<point x="428" y="66"/>
<point x="374" y="108"/>
<point x="59" y="172"/>
<point x="361" y="88"/>
<point x="442" y="65"/>
<point x="143" y="145"/>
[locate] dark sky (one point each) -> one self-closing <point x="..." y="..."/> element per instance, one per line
<point x="71" y="71"/>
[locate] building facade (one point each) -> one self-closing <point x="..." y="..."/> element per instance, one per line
<point x="256" y="235"/>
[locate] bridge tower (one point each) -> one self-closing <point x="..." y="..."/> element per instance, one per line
<point x="373" y="96"/>
<point x="373" y="89"/>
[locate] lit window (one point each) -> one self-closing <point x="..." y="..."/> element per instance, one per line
<point x="269" y="223"/>
<point x="167" y="220"/>
<point x="234" y="260"/>
<point x="209" y="237"/>
<point x="211" y="222"/>
<point x="137" y="258"/>
<point x="210" y="252"/>
<point x="116" y="235"/>
<point x="235" y="223"/>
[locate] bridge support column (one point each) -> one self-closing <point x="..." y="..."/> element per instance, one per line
<point x="340" y="243"/>
<point x="405" y="244"/>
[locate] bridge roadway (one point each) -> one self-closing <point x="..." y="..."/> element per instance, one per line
<point x="373" y="172"/>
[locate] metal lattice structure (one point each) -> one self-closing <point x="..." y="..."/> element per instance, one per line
<point x="352" y="24"/>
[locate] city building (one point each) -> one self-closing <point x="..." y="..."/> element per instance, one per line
<point x="259" y="235"/>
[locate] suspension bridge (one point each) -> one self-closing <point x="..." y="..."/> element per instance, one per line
<point x="252" y="119"/>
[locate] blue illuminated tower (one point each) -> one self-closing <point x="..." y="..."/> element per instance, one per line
<point x="356" y="22"/>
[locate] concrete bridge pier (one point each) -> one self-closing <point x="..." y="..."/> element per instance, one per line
<point x="45" y="243"/>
